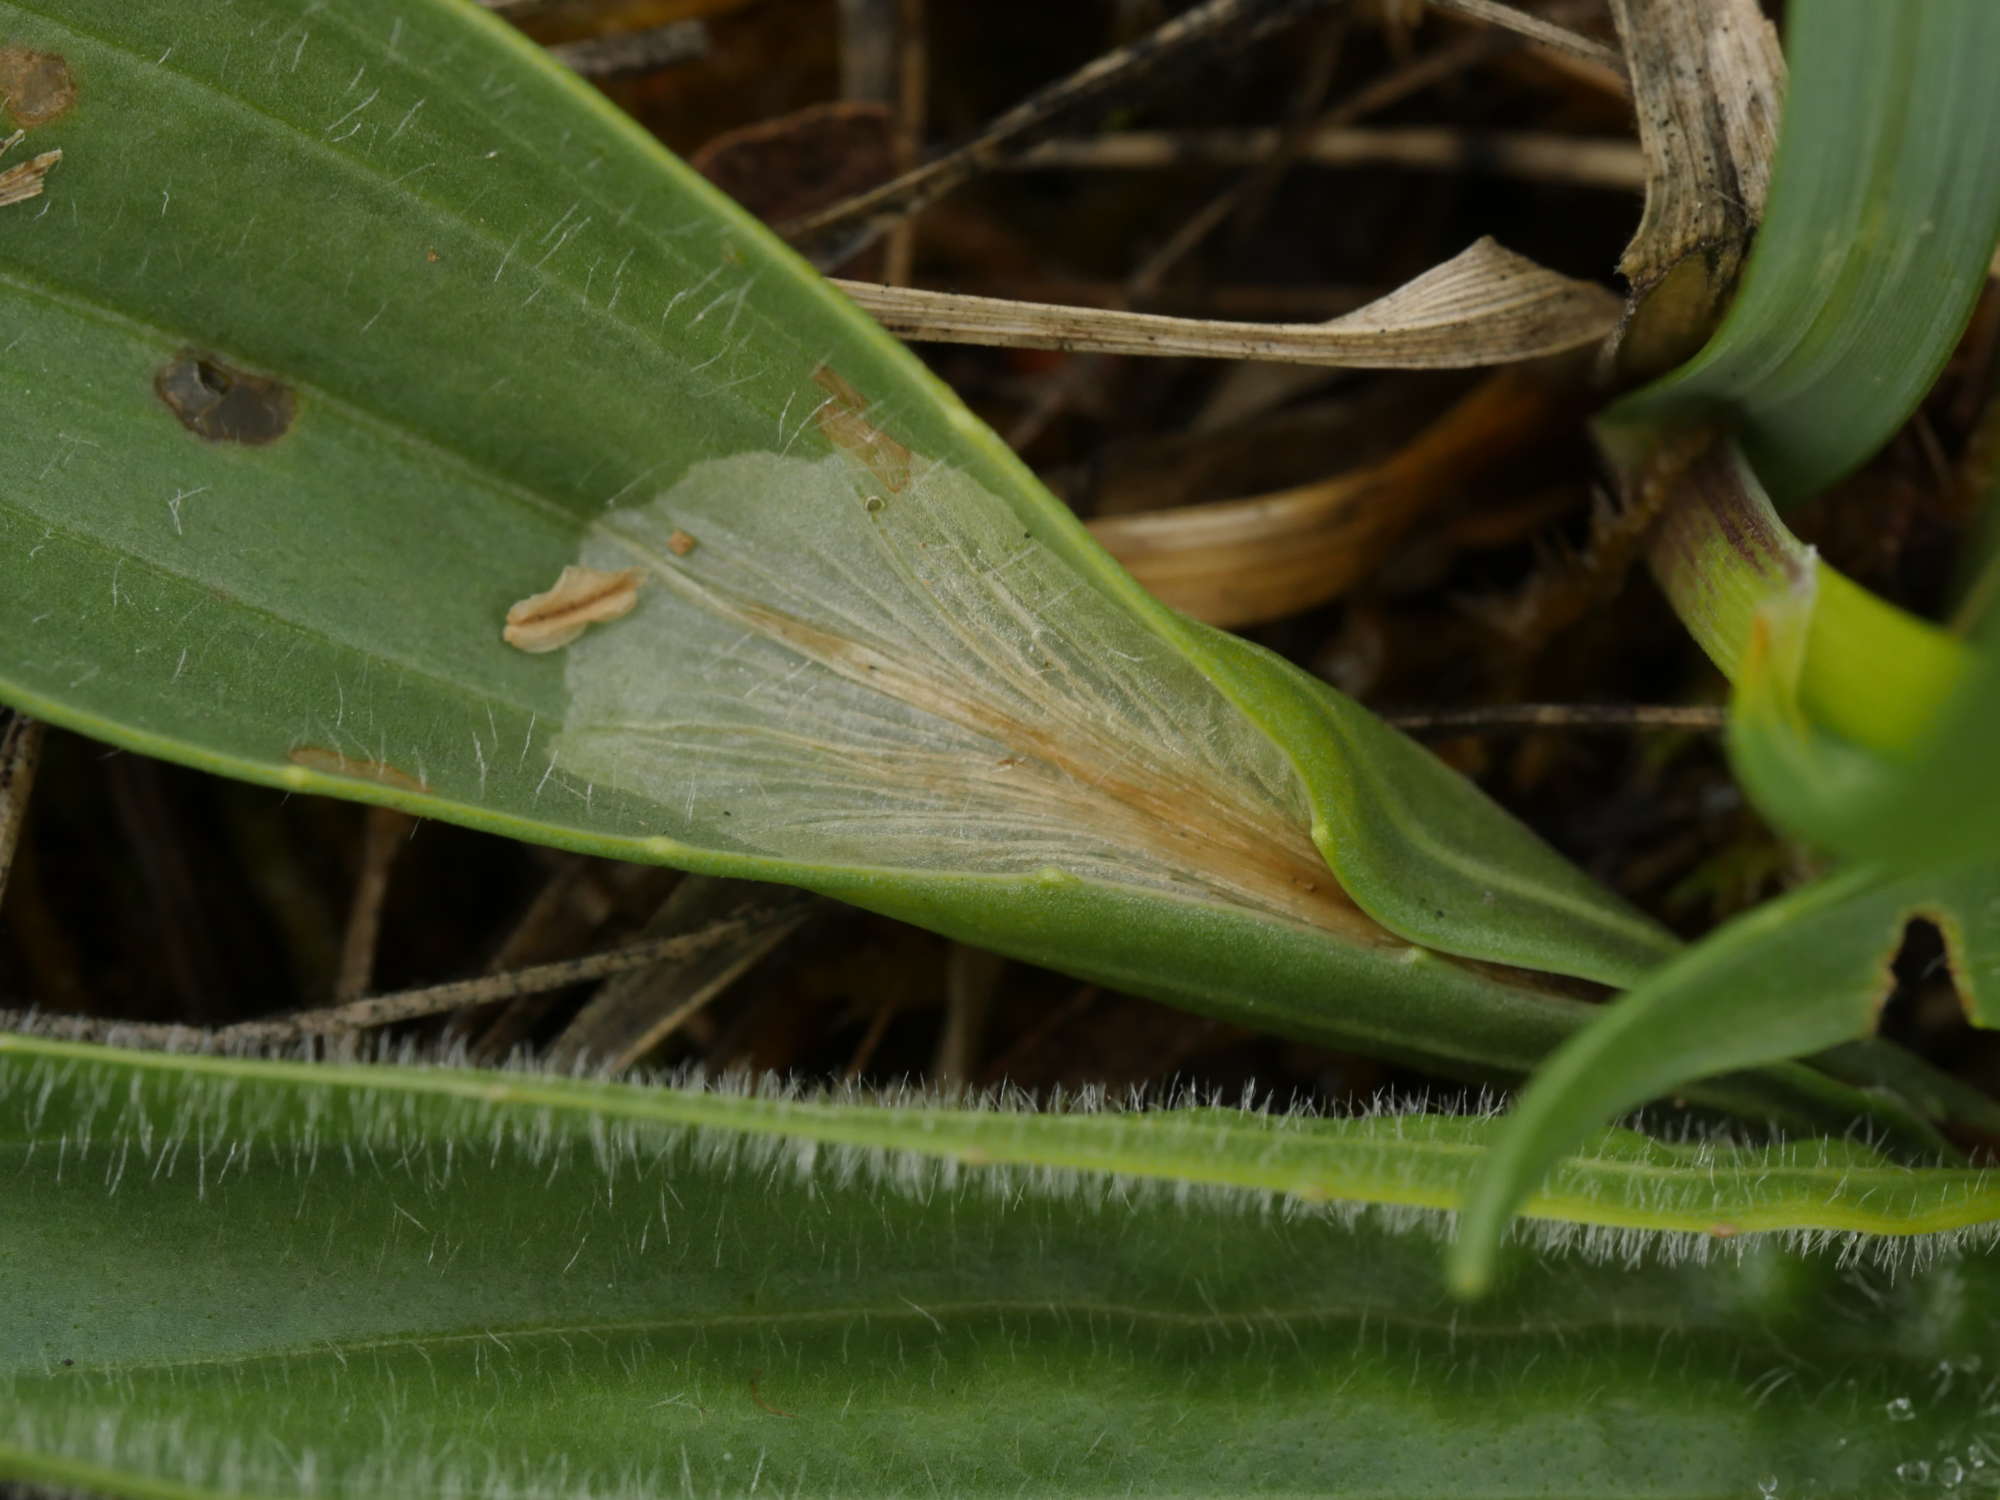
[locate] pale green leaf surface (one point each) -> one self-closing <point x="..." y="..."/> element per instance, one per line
<point x="1797" y="975"/>
<point x="519" y="337"/>
<point x="1882" y="216"/>
<point x="324" y="1280"/>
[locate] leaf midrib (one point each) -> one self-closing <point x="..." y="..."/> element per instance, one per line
<point x="932" y="1313"/>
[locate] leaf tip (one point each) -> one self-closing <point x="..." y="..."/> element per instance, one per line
<point x="1474" y="1252"/>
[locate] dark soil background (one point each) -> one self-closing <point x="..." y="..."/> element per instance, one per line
<point x="149" y="892"/>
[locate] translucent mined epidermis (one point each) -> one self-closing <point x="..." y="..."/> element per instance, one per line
<point x="840" y="671"/>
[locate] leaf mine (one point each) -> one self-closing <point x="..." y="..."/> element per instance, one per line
<point x="921" y="686"/>
<point x="842" y="421"/>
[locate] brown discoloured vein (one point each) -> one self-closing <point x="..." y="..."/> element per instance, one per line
<point x="842" y="421"/>
<point x="582" y="597"/>
<point x="36" y="87"/>
<point x="1181" y="821"/>
<point x="333" y="763"/>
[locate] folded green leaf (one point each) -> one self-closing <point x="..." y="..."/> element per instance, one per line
<point x="1854" y="724"/>
<point x="1926" y="803"/>
<point x="1794" y="976"/>
<point x="1882" y="218"/>
<point x="1862" y="669"/>
<point x="387" y="322"/>
<point x="284" y="1280"/>
<point x="1420" y="848"/>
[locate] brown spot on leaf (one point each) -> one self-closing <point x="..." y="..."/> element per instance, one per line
<point x="842" y="422"/>
<point x="35" y="86"/>
<point x="23" y="180"/>
<point x="333" y="763"/>
<point x="581" y="598"/>
<point x="680" y="543"/>
<point x="223" y="404"/>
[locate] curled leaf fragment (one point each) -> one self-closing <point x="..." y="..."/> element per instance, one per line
<point x="23" y="180"/>
<point x="582" y="597"/>
<point x="1484" y="306"/>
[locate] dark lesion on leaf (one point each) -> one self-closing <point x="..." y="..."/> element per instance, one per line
<point x="36" y="87"/>
<point x="222" y="404"/>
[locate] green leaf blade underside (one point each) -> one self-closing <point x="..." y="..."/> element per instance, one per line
<point x="410" y="1296"/>
<point x="1881" y="221"/>
<point x="512" y="336"/>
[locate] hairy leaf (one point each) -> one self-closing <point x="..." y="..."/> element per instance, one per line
<point x="1794" y="976"/>
<point x="258" y="1277"/>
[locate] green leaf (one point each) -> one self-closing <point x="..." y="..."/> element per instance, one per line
<point x="1860" y="668"/>
<point x="1854" y="724"/>
<point x="1882" y="218"/>
<point x="386" y="321"/>
<point x="268" y="1278"/>
<point x="1794" y="976"/>
<point x="1424" y="851"/>
<point x="1928" y="803"/>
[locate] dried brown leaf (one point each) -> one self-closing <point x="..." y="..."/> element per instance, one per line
<point x="23" y="181"/>
<point x="1708" y="85"/>
<point x="1245" y="562"/>
<point x="1484" y="306"/>
<point x="1539" y="155"/>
